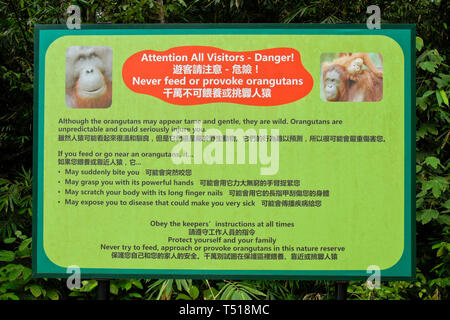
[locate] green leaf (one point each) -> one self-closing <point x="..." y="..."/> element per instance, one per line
<point x="447" y="204"/>
<point x="443" y="81"/>
<point x="438" y="97"/>
<point x="137" y="283"/>
<point x="24" y="249"/>
<point x="440" y="252"/>
<point x="240" y="295"/>
<point x="52" y="294"/>
<point x="208" y="295"/>
<point x="15" y="271"/>
<point x="186" y="284"/>
<point x="441" y="282"/>
<point x="419" y="43"/>
<point x="9" y="296"/>
<point x="419" y="203"/>
<point x="432" y="162"/>
<point x="182" y="296"/>
<point x="227" y="292"/>
<point x="437" y="245"/>
<point x="7" y="256"/>
<point x="418" y="168"/>
<point x="35" y="290"/>
<point x="437" y="185"/>
<point x="26" y="273"/>
<point x="25" y="243"/>
<point x="422" y="101"/>
<point x="444" y="219"/>
<point x="428" y="66"/>
<point x="178" y="284"/>
<point x="193" y="292"/>
<point x="253" y="291"/>
<point x="127" y="285"/>
<point x="427" y="215"/>
<point x="427" y="93"/>
<point x="89" y="285"/>
<point x="113" y="288"/>
<point x="422" y="193"/>
<point x="169" y="287"/>
<point x="9" y="240"/>
<point x="444" y="97"/>
<point x="424" y="129"/>
<point x="166" y="289"/>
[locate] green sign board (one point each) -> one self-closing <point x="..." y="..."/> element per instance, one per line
<point x="224" y="151"/>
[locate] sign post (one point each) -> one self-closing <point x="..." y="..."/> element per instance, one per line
<point x="341" y="290"/>
<point x="103" y="289"/>
<point x="224" y="151"/>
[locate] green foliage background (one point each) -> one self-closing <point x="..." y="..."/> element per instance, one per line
<point x="17" y="20"/>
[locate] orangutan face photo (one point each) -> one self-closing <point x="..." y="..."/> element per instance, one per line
<point x="88" y="77"/>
